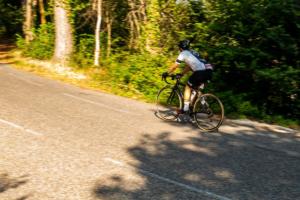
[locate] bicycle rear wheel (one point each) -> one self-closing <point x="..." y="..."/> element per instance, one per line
<point x="208" y="112"/>
<point x="168" y="102"/>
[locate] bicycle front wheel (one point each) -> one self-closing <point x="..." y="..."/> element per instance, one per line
<point x="168" y="103"/>
<point x="208" y="112"/>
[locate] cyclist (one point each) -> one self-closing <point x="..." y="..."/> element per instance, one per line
<point x="201" y="71"/>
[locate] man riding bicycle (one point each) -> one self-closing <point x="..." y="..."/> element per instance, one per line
<point x="201" y="72"/>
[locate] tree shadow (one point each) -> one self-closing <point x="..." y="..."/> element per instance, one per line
<point x="6" y="46"/>
<point x="206" y="166"/>
<point x="8" y="183"/>
<point x="5" y="57"/>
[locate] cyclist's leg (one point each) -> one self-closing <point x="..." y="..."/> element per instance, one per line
<point x="199" y="77"/>
<point x="196" y="79"/>
<point x="186" y="97"/>
<point x="192" y="82"/>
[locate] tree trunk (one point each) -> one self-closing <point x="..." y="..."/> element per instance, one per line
<point x="134" y="23"/>
<point x="108" y="39"/>
<point x="42" y="12"/>
<point x="109" y="21"/>
<point x="151" y="28"/>
<point x="97" y="32"/>
<point x="137" y="19"/>
<point x="63" y="33"/>
<point x="28" y="21"/>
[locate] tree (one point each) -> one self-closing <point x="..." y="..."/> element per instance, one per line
<point x="42" y="11"/>
<point x="255" y="44"/>
<point x="109" y="19"/>
<point x="63" y="32"/>
<point x="97" y="32"/>
<point x="151" y="28"/>
<point x="28" y="21"/>
<point x="136" y="18"/>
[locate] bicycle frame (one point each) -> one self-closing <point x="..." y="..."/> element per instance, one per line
<point x="175" y="87"/>
<point x="197" y="95"/>
<point x="205" y="108"/>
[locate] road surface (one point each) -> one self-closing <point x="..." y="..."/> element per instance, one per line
<point x="61" y="142"/>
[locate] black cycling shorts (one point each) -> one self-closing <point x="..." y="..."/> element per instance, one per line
<point x="199" y="77"/>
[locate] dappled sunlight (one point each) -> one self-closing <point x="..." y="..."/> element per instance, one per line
<point x="239" y="144"/>
<point x="234" y="130"/>
<point x="193" y="177"/>
<point x="5" y="55"/>
<point x="204" y="150"/>
<point x="224" y="174"/>
<point x="257" y="127"/>
<point x="150" y="146"/>
<point x="259" y="135"/>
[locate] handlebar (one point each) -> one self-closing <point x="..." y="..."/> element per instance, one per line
<point x="172" y="76"/>
<point x="178" y="77"/>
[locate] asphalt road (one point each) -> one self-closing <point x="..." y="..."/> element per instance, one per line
<point x="60" y="142"/>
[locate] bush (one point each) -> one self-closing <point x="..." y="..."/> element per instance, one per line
<point x="42" y="45"/>
<point x="136" y="73"/>
<point x="84" y="55"/>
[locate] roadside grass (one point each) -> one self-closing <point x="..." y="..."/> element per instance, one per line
<point x="94" y="78"/>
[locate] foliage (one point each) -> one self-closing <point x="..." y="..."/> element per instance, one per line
<point x="42" y="45"/>
<point x="256" y="51"/>
<point x="84" y="54"/>
<point x="139" y="74"/>
<point x="254" y="45"/>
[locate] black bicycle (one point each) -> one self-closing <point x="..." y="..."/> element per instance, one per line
<point x="206" y="110"/>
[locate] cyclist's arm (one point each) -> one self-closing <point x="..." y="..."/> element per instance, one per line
<point x="186" y="70"/>
<point x="173" y="68"/>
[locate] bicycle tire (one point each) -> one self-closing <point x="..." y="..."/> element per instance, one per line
<point x="168" y="101"/>
<point x="208" y="112"/>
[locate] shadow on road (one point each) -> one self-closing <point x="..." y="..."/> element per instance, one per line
<point x="5" y="47"/>
<point x="9" y="183"/>
<point x="231" y="167"/>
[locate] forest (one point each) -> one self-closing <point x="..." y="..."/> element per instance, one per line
<point x="254" y="46"/>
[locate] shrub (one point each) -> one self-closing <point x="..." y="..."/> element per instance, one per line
<point x="42" y="45"/>
<point x="84" y="55"/>
<point x="137" y="73"/>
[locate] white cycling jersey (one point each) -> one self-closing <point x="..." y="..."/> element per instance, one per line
<point x="188" y="58"/>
